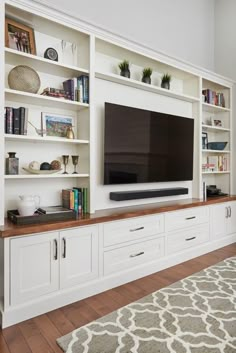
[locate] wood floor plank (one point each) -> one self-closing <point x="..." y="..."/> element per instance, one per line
<point x="60" y="321"/>
<point x="39" y="334"/>
<point x="48" y="331"/>
<point x="3" y="344"/>
<point x="34" y="338"/>
<point x="15" y="340"/>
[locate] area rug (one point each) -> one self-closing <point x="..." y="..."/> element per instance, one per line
<point x="194" y="315"/>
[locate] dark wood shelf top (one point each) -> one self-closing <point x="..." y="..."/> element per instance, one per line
<point x="10" y="229"/>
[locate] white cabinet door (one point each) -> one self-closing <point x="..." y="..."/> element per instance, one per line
<point x="33" y="266"/>
<point x="231" y="221"/>
<point x="79" y="256"/>
<point x="218" y="220"/>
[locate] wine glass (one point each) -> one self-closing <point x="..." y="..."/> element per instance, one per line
<point x="75" y="161"/>
<point x="65" y="159"/>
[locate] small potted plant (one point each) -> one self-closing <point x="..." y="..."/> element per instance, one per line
<point x="124" y="68"/>
<point x="147" y="72"/>
<point x="165" y="81"/>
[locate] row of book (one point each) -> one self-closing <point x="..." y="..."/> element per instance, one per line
<point x="216" y="164"/>
<point x="78" y="88"/>
<point x="213" y="97"/>
<point x="75" y="199"/>
<point x="15" y="120"/>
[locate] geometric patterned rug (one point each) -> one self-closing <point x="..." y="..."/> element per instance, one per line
<point x="194" y="315"/>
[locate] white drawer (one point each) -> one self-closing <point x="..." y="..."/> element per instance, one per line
<point x="133" y="255"/>
<point x="186" y="218"/>
<point x="132" y="229"/>
<point x="181" y="240"/>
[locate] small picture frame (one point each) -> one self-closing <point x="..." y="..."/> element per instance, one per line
<point x="216" y="122"/>
<point x="19" y="36"/>
<point x="204" y="140"/>
<point x="56" y="125"/>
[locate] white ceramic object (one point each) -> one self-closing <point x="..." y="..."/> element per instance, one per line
<point x="28" y="204"/>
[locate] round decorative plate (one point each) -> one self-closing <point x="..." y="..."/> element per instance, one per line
<point x="37" y="171"/>
<point x="24" y="78"/>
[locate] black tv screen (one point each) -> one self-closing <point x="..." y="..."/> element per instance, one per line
<point x="142" y="146"/>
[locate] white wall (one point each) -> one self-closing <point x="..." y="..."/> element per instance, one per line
<point x="182" y="28"/>
<point x="225" y="53"/>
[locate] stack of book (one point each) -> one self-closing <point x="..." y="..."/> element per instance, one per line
<point x="214" y="98"/>
<point x="216" y="164"/>
<point x="78" y="88"/>
<point x="15" y="120"/>
<point x="75" y="199"/>
<point x="56" y="93"/>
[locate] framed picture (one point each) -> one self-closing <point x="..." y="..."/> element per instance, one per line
<point x="56" y="125"/>
<point x="19" y="36"/>
<point x="204" y="140"/>
<point x="216" y="122"/>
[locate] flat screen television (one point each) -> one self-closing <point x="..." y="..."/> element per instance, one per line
<point x="142" y="146"/>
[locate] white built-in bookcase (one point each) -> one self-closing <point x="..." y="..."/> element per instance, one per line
<point x="98" y="55"/>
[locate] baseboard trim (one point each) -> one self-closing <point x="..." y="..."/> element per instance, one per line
<point x="16" y="314"/>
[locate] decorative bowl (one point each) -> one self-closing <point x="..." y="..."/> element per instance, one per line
<point x="24" y="78"/>
<point x="34" y="171"/>
<point x="216" y="145"/>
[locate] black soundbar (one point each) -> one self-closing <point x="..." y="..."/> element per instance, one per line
<point x="145" y="194"/>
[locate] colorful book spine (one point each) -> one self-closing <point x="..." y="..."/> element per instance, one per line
<point x="76" y="203"/>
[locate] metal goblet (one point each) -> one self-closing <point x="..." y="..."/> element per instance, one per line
<point x="75" y="161"/>
<point x="65" y="159"/>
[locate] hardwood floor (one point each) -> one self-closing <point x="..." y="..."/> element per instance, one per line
<point x="39" y="335"/>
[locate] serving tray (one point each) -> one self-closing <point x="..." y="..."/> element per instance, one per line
<point x="13" y="216"/>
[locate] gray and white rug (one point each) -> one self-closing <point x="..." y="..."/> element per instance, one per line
<point x="194" y="315"/>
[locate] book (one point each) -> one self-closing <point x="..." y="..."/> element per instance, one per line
<point x="53" y="209"/>
<point x="9" y="120"/>
<point x="76" y="201"/>
<point x="16" y="121"/>
<point x="23" y="120"/>
<point x="66" y="198"/>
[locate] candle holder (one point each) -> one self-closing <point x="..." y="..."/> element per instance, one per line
<point x="65" y="159"/>
<point x="75" y="161"/>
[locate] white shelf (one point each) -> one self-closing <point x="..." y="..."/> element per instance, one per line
<point x="42" y="62"/>
<point x="211" y="108"/>
<point x="45" y="176"/>
<point x="215" y="151"/>
<point x="215" y="128"/>
<point x="143" y="86"/>
<point x="26" y="138"/>
<point x="218" y="172"/>
<point x="37" y="99"/>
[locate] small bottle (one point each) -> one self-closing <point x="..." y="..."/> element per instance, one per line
<point x="12" y="164"/>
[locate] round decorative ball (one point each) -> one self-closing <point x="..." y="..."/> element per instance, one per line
<point x="45" y="166"/>
<point x="55" y="165"/>
<point x="34" y="165"/>
<point x="24" y="78"/>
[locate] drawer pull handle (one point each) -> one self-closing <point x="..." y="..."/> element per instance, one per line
<point x="230" y="212"/>
<point x="55" y="251"/>
<point x="138" y="254"/>
<point x="190" y="238"/>
<point x="135" y="229"/>
<point x="64" y="248"/>
<point x="190" y="218"/>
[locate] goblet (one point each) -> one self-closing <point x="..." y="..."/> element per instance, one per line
<point x="65" y="159"/>
<point x="75" y="161"/>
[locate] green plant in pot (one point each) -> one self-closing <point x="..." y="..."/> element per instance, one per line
<point x="124" y="68"/>
<point x="165" y="81"/>
<point x="147" y="72"/>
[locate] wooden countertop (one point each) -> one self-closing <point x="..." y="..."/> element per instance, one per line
<point x="10" y="229"/>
